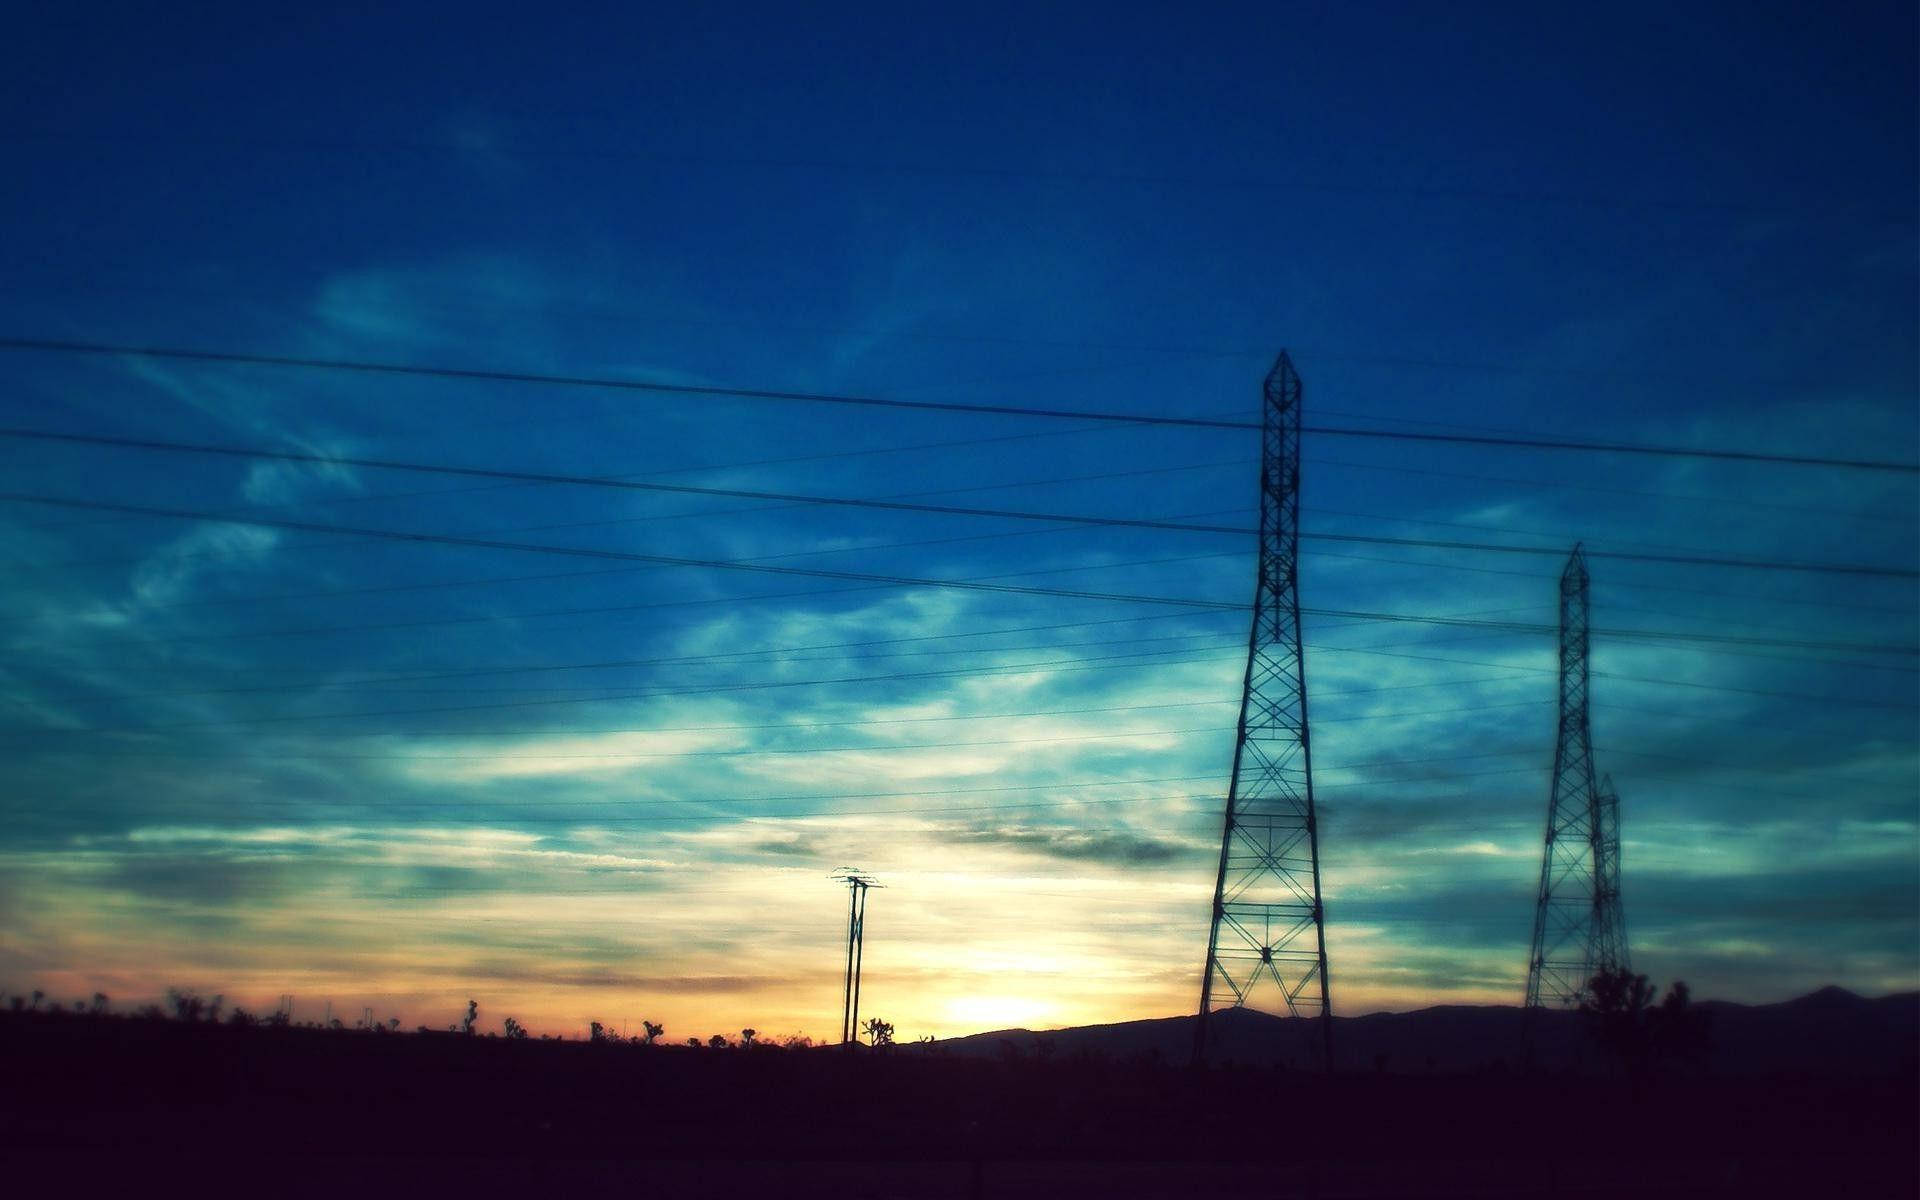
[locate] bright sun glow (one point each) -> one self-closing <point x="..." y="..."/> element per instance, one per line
<point x="983" y="1014"/>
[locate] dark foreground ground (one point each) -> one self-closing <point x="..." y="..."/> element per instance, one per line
<point x="157" y="1107"/>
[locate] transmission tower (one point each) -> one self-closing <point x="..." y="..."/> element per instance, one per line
<point x="1578" y="928"/>
<point x="857" y="885"/>
<point x="1268" y="926"/>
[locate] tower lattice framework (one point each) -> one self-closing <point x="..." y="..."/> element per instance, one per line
<point x="1268" y="929"/>
<point x="1578" y="927"/>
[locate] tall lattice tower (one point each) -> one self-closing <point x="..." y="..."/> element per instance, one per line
<point x="1268" y="927"/>
<point x="1578" y="928"/>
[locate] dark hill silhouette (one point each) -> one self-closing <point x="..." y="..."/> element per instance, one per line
<point x="1831" y="1032"/>
<point x="97" y="1102"/>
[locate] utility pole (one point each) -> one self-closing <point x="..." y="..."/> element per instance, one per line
<point x="857" y="885"/>
<point x="1579" y="929"/>
<point x="1268" y="925"/>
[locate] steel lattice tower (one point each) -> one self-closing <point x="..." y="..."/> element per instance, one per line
<point x="1268" y="926"/>
<point x="1578" y="928"/>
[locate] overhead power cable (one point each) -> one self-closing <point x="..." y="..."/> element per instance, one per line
<point x="661" y="387"/>
<point x="631" y="318"/>
<point x="488" y="581"/>
<point x="762" y="728"/>
<point x="911" y="581"/>
<point x="1078" y="666"/>
<point x="614" y="555"/>
<point x="800" y="498"/>
<point x="1514" y="672"/>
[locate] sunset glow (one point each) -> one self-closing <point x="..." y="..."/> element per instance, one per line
<point x="513" y="522"/>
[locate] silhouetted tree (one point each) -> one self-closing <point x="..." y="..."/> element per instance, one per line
<point x="473" y="1014"/>
<point x="747" y="1036"/>
<point x="38" y="996"/>
<point x="186" y="1005"/>
<point x="99" y="1003"/>
<point x="1679" y="1032"/>
<point x="653" y="1031"/>
<point x="515" y="1030"/>
<point x="694" y="1042"/>
<point x="717" y="1042"/>
<point x="879" y="1033"/>
<point x="598" y="1033"/>
<point x="1615" y="1005"/>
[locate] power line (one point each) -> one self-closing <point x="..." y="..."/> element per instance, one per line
<point x="783" y="460"/>
<point x="616" y="555"/>
<point x="1078" y="665"/>
<point x="1262" y="353"/>
<point x="1071" y="666"/>
<point x="909" y="581"/>
<point x="1057" y="666"/>
<point x="430" y="585"/>
<point x="1652" y="635"/>
<point x="789" y="727"/>
<point x="538" y="614"/>
<point x="746" y="752"/>
<point x="799" y="498"/>
<point x="968" y="808"/>
<point x="377" y="686"/>
<point x="1744" y="501"/>
<point x="1856" y="701"/>
<point x="644" y="481"/>
<point x="652" y="386"/>
<point x="733" y="657"/>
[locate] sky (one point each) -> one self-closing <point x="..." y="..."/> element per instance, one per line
<point x="252" y="748"/>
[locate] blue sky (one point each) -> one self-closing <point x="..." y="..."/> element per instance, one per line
<point x="256" y="760"/>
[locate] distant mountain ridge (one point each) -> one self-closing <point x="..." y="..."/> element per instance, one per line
<point x="1831" y="1032"/>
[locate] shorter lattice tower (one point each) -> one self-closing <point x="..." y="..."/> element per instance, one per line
<point x="1578" y="927"/>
